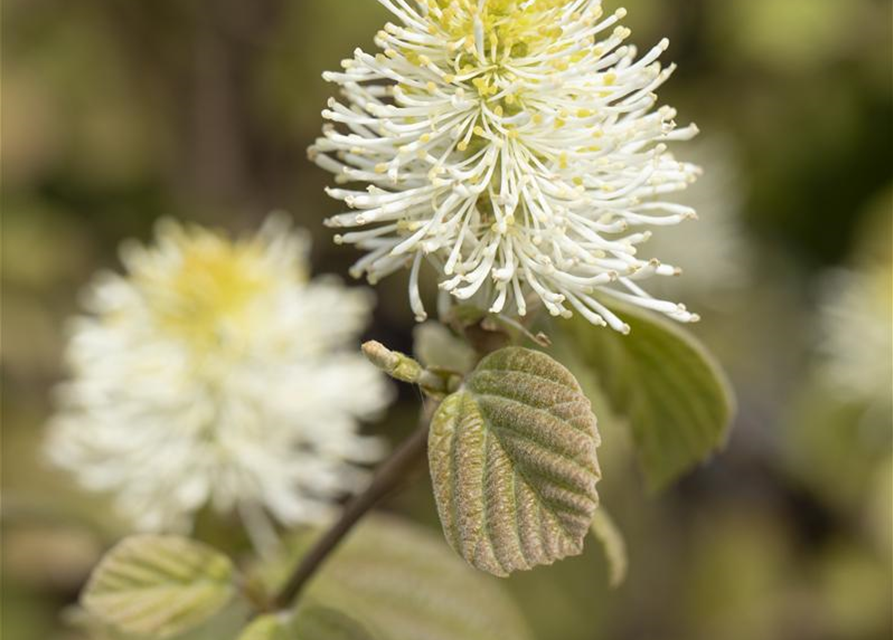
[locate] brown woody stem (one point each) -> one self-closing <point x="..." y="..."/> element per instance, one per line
<point x="386" y="478"/>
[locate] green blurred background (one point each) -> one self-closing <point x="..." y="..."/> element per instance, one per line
<point x="117" y="112"/>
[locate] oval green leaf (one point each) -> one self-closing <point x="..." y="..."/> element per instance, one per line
<point x="158" y="585"/>
<point x="311" y="622"/>
<point x="266" y="627"/>
<point x="513" y="463"/>
<point x="665" y="383"/>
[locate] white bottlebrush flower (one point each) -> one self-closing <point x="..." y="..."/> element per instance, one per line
<point x="515" y="144"/>
<point x="856" y="322"/>
<point x="214" y="372"/>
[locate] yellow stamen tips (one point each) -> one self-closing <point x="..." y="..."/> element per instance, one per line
<point x="562" y="160"/>
<point x="498" y="111"/>
<point x="425" y="138"/>
<point x="381" y="167"/>
<point x="559" y="123"/>
<point x="537" y="118"/>
<point x="479" y="131"/>
<point x="578" y="181"/>
<point x="510" y="98"/>
<point x="610" y="78"/>
<point x="431" y="86"/>
<point x="449" y="78"/>
<point x="584" y="113"/>
<point x="391" y="53"/>
<point x="513" y="134"/>
<point x="462" y="146"/>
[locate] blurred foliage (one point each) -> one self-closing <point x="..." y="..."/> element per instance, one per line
<point x="398" y="579"/>
<point x="117" y="112"/>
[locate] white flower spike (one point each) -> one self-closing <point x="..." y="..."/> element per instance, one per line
<point x="515" y="145"/>
<point x="215" y="372"/>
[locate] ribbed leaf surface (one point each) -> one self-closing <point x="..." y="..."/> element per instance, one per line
<point x="158" y="585"/>
<point x="513" y="463"/>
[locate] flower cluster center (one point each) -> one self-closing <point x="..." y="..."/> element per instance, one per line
<point x="209" y="293"/>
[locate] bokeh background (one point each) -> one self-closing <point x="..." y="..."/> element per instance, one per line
<point x="118" y="112"/>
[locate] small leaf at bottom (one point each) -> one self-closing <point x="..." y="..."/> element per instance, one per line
<point x="311" y="622"/>
<point x="158" y="585"/>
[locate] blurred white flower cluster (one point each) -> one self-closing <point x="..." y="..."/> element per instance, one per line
<point x="515" y="144"/>
<point x="856" y="325"/>
<point x="214" y="372"/>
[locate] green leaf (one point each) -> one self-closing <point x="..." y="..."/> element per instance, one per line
<point x="513" y="463"/>
<point x="664" y="381"/>
<point x="267" y="627"/>
<point x="401" y="582"/>
<point x="311" y="622"/>
<point x="158" y="585"/>
<point x="223" y="625"/>
<point x="606" y="532"/>
<point x="436" y="346"/>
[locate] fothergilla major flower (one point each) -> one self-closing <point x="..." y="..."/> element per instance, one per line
<point x="516" y="145"/>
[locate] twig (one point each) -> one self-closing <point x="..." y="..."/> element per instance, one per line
<point x="386" y="478"/>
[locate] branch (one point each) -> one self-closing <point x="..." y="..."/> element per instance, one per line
<point x="435" y="382"/>
<point x="386" y="478"/>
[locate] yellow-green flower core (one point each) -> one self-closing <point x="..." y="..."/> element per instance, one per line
<point x="205" y="286"/>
